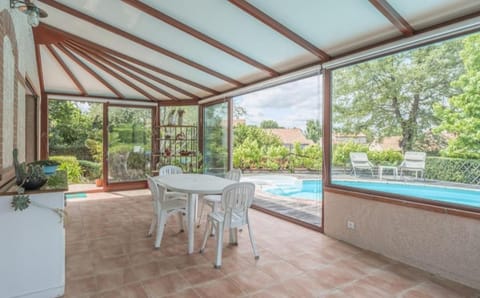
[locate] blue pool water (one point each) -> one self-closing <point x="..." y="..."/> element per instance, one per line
<point x="312" y="190"/>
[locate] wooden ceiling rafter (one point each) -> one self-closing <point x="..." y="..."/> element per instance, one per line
<point x="67" y="70"/>
<point x="139" y="71"/>
<point x="123" y="70"/>
<point x="393" y="16"/>
<point x="40" y="68"/>
<point x="273" y="24"/>
<point x="108" y="70"/>
<point x="130" y="59"/>
<point x="141" y="41"/>
<point x="199" y="35"/>
<point x="90" y="71"/>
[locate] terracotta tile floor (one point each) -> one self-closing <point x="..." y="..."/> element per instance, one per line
<point x="108" y="255"/>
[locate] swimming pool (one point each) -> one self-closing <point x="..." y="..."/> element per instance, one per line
<point x="312" y="190"/>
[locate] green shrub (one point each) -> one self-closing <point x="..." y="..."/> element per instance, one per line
<point x="453" y="169"/>
<point x="90" y="170"/>
<point x="95" y="148"/>
<point x="313" y="157"/>
<point x="385" y="158"/>
<point x="71" y="166"/>
<point x="341" y="152"/>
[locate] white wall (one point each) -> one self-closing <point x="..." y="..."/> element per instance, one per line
<point x="443" y="244"/>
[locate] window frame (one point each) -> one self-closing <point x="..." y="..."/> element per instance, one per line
<point x="390" y="198"/>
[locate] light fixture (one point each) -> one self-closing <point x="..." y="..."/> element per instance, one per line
<point x="30" y="9"/>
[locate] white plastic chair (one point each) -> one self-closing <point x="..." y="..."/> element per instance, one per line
<point x="236" y="199"/>
<point x="163" y="206"/>
<point x="413" y="162"/>
<point x="213" y="201"/>
<point x="360" y="161"/>
<point x="169" y="170"/>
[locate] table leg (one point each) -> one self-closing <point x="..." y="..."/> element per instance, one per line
<point x="191" y="221"/>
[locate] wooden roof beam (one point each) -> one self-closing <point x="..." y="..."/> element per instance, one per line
<point x="128" y="58"/>
<point x="121" y="70"/>
<point x="67" y="70"/>
<point x="140" y="41"/>
<point x="270" y="22"/>
<point x="139" y="70"/>
<point x="108" y="70"/>
<point x="90" y="71"/>
<point x="393" y="16"/>
<point x="199" y="35"/>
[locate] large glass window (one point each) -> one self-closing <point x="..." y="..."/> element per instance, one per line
<point x="215" y="138"/>
<point x="277" y="144"/>
<point x="129" y="143"/>
<point x="409" y="123"/>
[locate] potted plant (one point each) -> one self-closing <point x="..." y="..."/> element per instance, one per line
<point x="29" y="176"/>
<point x="49" y="166"/>
<point x="99" y="182"/>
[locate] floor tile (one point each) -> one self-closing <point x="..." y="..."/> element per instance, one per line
<point x="109" y="255"/>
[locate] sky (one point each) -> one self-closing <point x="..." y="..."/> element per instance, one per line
<point x="290" y="105"/>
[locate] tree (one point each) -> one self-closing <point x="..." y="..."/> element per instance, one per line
<point x="314" y="130"/>
<point x="462" y="116"/>
<point x="67" y="124"/>
<point x="269" y="124"/>
<point x="394" y="95"/>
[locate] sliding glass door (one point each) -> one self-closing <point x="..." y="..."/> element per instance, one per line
<point x="216" y="138"/>
<point x="129" y="143"/>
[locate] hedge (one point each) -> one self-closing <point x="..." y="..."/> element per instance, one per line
<point x="453" y="169"/>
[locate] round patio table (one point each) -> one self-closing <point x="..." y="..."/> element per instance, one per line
<point x="193" y="184"/>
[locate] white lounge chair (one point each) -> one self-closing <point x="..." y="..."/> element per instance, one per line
<point x="236" y="199"/>
<point x="413" y="162"/>
<point x="360" y="161"/>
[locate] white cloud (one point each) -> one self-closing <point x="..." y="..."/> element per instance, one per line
<point x="290" y="105"/>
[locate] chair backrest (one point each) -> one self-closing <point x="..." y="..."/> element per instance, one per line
<point x="359" y="159"/>
<point x="234" y="174"/>
<point x="414" y="160"/>
<point x="158" y="191"/>
<point x="169" y="170"/>
<point x="236" y="199"/>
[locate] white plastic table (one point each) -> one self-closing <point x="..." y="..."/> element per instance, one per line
<point x="193" y="184"/>
<point x="393" y="168"/>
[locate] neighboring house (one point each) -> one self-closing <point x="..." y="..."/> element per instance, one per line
<point x="236" y="122"/>
<point x="290" y="136"/>
<point x="387" y="143"/>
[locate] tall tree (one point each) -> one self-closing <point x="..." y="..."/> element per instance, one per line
<point x="462" y="116"/>
<point x="394" y="95"/>
<point x="269" y="124"/>
<point x="314" y="130"/>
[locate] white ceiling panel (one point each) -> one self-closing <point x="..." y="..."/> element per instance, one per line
<point x="329" y="26"/>
<point x="228" y="24"/>
<point x="421" y="14"/>
<point x="105" y="38"/>
<point x="51" y="69"/>
<point x="143" y="26"/>
<point x="333" y="26"/>
<point x="91" y="84"/>
<point x="114" y="82"/>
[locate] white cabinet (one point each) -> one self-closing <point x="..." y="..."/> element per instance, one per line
<point x="32" y="248"/>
